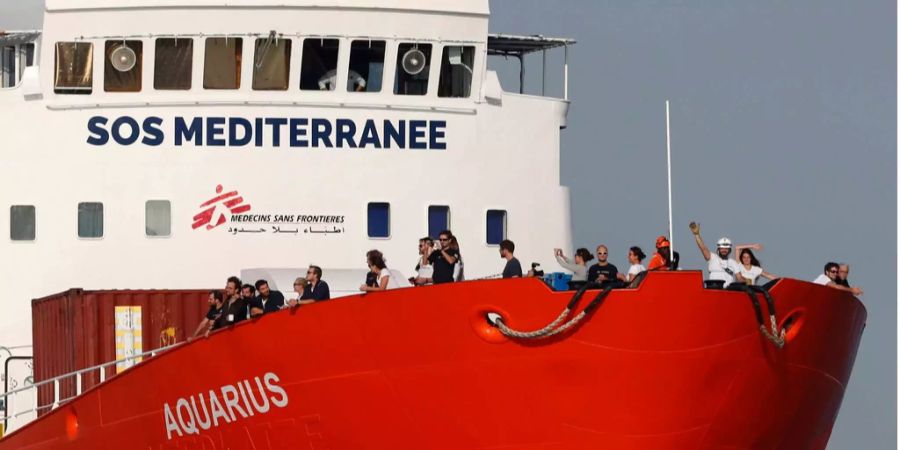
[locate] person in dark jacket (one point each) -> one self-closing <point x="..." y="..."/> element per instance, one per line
<point x="235" y="309"/>
<point x="267" y="301"/>
<point x="317" y="290"/>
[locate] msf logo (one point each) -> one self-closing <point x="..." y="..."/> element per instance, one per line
<point x="216" y="210"/>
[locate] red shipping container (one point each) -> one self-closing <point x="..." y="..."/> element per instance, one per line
<point x="76" y="329"/>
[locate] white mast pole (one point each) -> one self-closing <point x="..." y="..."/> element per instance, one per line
<point x="669" y="168"/>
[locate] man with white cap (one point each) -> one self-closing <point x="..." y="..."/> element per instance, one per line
<point x="721" y="267"/>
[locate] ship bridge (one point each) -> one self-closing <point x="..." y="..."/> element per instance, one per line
<point x="358" y="53"/>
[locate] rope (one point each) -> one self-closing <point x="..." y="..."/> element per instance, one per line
<point x="557" y="326"/>
<point x="772" y="332"/>
<point x="536" y="334"/>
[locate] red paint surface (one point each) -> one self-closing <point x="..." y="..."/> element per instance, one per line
<point x="666" y="366"/>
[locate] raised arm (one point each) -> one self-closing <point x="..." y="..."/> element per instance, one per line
<point x="739" y="248"/>
<point x="695" y="228"/>
<point x="564" y="262"/>
<point x="448" y="257"/>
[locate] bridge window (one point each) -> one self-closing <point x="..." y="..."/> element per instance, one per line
<point x="158" y="218"/>
<point x="174" y="64"/>
<point x="222" y="63"/>
<point x="21" y="222"/>
<point x="90" y="220"/>
<point x="319" y="67"/>
<point x="456" y="71"/>
<point x="366" y="66"/>
<point x="438" y="220"/>
<point x="8" y="66"/>
<point x="271" y="64"/>
<point x="496" y="226"/>
<point x="413" y="65"/>
<point x="122" y="67"/>
<point x="74" y="68"/>
<point x="379" y="220"/>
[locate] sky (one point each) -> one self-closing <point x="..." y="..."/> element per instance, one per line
<point x="783" y="133"/>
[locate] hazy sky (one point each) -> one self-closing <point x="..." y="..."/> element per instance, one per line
<point x="784" y="133"/>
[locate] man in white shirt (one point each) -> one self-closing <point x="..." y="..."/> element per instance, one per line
<point x="829" y="277"/>
<point x="721" y="267"/>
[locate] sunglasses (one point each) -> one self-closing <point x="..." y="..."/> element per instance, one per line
<point x="445" y="240"/>
<point x="601" y="253"/>
<point x="832" y="271"/>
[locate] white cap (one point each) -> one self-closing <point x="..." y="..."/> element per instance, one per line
<point x="724" y="243"/>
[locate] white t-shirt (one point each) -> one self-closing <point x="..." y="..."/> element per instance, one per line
<point x="425" y="271"/>
<point x="822" y="279"/>
<point x="717" y="268"/>
<point x="751" y="273"/>
<point x="636" y="269"/>
<point x="394" y="278"/>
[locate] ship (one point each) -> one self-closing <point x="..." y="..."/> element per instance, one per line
<point x="180" y="142"/>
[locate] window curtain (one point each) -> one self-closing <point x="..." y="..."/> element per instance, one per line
<point x="174" y="61"/>
<point x="74" y="65"/>
<point x="271" y="64"/>
<point x="90" y="220"/>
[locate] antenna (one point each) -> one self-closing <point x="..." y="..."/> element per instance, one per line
<point x="669" y="168"/>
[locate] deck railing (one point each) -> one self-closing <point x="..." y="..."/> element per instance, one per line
<point x="10" y="411"/>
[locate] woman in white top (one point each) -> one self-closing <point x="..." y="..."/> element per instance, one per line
<point x="376" y="263"/>
<point x="579" y="268"/>
<point x="750" y="268"/>
<point x="635" y="258"/>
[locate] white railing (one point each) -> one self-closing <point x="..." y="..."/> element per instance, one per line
<point x="10" y="412"/>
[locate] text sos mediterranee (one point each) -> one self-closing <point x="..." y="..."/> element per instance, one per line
<point x="293" y="132"/>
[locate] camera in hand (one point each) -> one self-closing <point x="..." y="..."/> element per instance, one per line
<point x="536" y="270"/>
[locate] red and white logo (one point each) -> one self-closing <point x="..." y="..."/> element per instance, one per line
<point x="217" y="210"/>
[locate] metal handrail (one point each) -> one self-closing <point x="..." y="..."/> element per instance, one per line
<point x="77" y="374"/>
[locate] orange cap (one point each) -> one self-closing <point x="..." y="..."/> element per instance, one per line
<point x="662" y="242"/>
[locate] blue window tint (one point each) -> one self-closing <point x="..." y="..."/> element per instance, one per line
<point x="496" y="226"/>
<point x="379" y="220"/>
<point x="438" y="220"/>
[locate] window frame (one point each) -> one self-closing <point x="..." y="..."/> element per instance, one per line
<point x="444" y="49"/>
<point x="368" y="230"/>
<point x="146" y="218"/>
<point x="156" y="60"/>
<point x="74" y="90"/>
<point x="34" y="224"/>
<point x="398" y="67"/>
<point x="384" y="60"/>
<point x="289" y="55"/>
<point x="239" y="63"/>
<point x="138" y="69"/>
<point x="337" y="63"/>
<point x="487" y="224"/>
<point x="428" y="219"/>
<point x="102" y="218"/>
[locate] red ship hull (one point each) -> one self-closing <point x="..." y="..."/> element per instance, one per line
<point x="668" y="365"/>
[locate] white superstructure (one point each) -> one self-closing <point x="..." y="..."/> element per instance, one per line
<point x="137" y="112"/>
